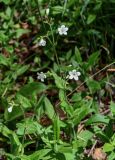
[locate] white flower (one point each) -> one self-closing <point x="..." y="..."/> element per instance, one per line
<point x="63" y="30"/>
<point x="47" y="11"/>
<point x="10" y="109"/>
<point x="74" y="75"/>
<point x="42" y="42"/>
<point x="41" y="76"/>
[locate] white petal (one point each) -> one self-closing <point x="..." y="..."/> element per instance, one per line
<point x="42" y="79"/>
<point x="67" y="76"/>
<point x="66" y="28"/>
<point x="60" y="33"/>
<point x="78" y="73"/>
<point x="62" y="26"/>
<point x="59" y="29"/>
<point x="76" y="78"/>
<point x="70" y="72"/>
<point x="65" y="33"/>
<point x="71" y="77"/>
<point x="10" y="109"/>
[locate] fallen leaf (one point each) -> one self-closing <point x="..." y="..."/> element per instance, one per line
<point x="98" y="154"/>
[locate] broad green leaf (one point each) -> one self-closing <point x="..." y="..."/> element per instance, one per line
<point x="93" y="85"/>
<point x="76" y="97"/>
<point x="65" y="148"/>
<point x="108" y="147"/>
<point x="34" y="87"/>
<point x="49" y="109"/>
<point x="5" y="1"/>
<point x="92" y="60"/>
<point x="60" y="83"/>
<point x="8" y="11"/>
<point x="4" y="130"/>
<point x="16" y="146"/>
<point x="21" y="70"/>
<point x="20" y="32"/>
<point x="97" y="118"/>
<point x="57" y="10"/>
<point x="79" y="114"/>
<point x="62" y="95"/>
<point x="91" y="18"/>
<point x="23" y="101"/>
<point x="40" y="154"/>
<point x="28" y="126"/>
<point x="69" y="156"/>
<point x="78" y="55"/>
<point x="85" y="135"/>
<point x="112" y="108"/>
<point x="67" y="108"/>
<point x="111" y="156"/>
<point x="3" y="36"/>
<point x="16" y="112"/>
<point x="3" y="60"/>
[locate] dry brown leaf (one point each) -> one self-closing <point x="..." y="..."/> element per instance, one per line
<point x="98" y="154"/>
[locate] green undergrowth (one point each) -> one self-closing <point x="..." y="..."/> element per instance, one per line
<point x="57" y="80"/>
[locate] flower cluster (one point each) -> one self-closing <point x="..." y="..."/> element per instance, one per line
<point x="42" y="42"/>
<point x="61" y="30"/>
<point x="41" y="76"/>
<point x="73" y="75"/>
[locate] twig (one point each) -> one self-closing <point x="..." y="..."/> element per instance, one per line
<point x="91" y="151"/>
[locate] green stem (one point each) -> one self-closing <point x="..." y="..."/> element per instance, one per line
<point x="53" y="44"/>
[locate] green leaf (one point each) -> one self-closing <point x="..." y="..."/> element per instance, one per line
<point x="21" y="70"/>
<point x="25" y="103"/>
<point x="16" y="112"/>
<point x="112" y="108"/>
<point x="3" y="60"/>
<point x="65" y="148"/>
<point x="80" y="113"/>
<point x="91" y="18"/>
<point x="8" y="12"/>
<point x="60" y="83"/>
<point x="62" y="95"/>
<point x="49" y="109"/>
<point x="40" y="154"/>
<point x="67" y="108"/>
<point x="16" y="146"/>
<point x="85" y="135"/>
<point x="57" y="10"/>
<point x="69" y="156"/>
<point x="76" y="97"/>
<point x="5" y="1"/>
<point x="78" y="55"/>
<point x="28" y="126"/>
<point x="98" y="118"/>
<point x="92" y="60"/>
<point x="93" y="85"/>
<point x="20" y="32"/>
<point x="34" y="87"/>
<point x="108" y="147"/>
<point x="111" y="156"/>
